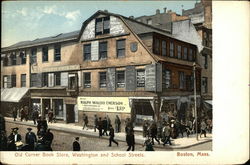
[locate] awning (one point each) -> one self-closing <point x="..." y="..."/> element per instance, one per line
<point x="13" y="94"/>
<point x="209" y="102"/>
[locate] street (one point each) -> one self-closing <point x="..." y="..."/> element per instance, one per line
<point x="63" y="142"/>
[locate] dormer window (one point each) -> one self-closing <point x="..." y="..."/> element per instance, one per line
<point x="102" y="25"/>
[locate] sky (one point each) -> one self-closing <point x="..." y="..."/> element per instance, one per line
<point x="29" y="20"/>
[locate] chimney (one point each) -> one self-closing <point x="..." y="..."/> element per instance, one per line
<point x="165" y="9"/>
<point x="158" y="11"/>
<point x="132" y="17"/>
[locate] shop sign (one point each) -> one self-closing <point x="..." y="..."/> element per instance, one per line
<point x="104" y="104"/>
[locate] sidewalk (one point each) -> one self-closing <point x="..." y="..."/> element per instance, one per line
<point x="179" y="143"/>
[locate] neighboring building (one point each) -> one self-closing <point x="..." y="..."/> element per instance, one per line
<point x="114" y="66"/>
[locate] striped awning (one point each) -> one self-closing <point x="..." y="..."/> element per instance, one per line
<point x="13" y="94"/>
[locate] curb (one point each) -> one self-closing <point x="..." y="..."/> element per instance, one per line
<point x="141" y="142"/>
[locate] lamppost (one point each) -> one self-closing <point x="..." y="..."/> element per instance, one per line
<point x="195" y="109"/>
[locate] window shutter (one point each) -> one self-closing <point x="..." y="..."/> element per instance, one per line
<point x="130" y="78"/>
<point x="51" y="79"/>
<point x="158" y="77"/>
<point x="111" y="79"/>
<point x="94" y="51"/>
<point x="64" y="79"/>
<point x="79" y="78"/>
<point x="9" y="81"/>
<point x="150" y="81"/>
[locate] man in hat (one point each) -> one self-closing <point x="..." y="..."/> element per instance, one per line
<point x="166" y="134"/>
<point x="14" y="113"/>
<point x="203" y="128"/>
<point x="85" y="121"/>
<point x="76" y="145"/>
<point x="30" y="139"/>
<point x="35" y="115"/>
<point x="48" y="137"/>
<point x="12" y="139"/>
<point x="111" y="136"/>
<point x="100" y="126"/>
<point x="117" y="124"/>
<point x="105" y="125"/>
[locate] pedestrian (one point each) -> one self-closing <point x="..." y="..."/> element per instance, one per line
<point x="3" y="141"/>
<point x="148" y="144"/>
<point x="145" y="128"/>
<point x="190" y="126"/>
<point x="13" y="138"/>
<point x="209" y="125"/>
<point x="203" y="128"/>
<point x="100" y="127"/>
<point x="48" y="137"/>
<point x="50" y="116"/>
<point x="117" y="124"/>
<point x="39" y="124"/>
<point x="22" y="114"/>
<point x="41" y="146"/>
<point x="85" y="121"/>
<point x="159" y="130"/>
<point x="153" y="133"/>
<point x="26" y="112"/>
<point x="108" y="122"/>
<point x="14" y="113"/>
<point x="95" y="122"/>
<point x="105" y="125"/>
<point x="130" y="139"/>
<point x="30" y="139"/>
<point x="35" y="115"/>
<point x="111" y="136"/>
<point x="44" y="124"/>
<point x="76" y="145"/>
<point x="167" y="134"/>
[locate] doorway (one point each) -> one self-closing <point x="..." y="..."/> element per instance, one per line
<point x="70" y="113"/>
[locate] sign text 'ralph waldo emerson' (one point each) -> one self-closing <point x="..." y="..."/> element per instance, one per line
<point x="104" y="104"/>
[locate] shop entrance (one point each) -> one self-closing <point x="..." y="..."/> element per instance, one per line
<point x="143" y="111"/>
<point x="46" y="107"/>
<point x="70" y="113"/>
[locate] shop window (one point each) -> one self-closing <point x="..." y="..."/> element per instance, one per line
<point x="171" y="49"/>
<point x="140" y="78"/>
<point x="179" y="52"/>
<point x="204" y="85"/>
<point x="166" y="79"/>
<point x="185" y="53"/>
<point x="181" y="80"/>
<point x="45" y="54"/>
<point x="103" y="80"/>
<point x="57" y="53"/>
<point x="164" y="48"/>
<point x="103" y="50"/>
<point x="23" y="80"/>
<point x="23" y="57"/>
<point x="72" y="81"/>
<point x="45" y="79"/>
<point x="33" y="55"/>
<point x="102" y="25"/>
<point x="57" y="78"/>
<point x="156" y="46"/>
<point x="13" y="80"/>
<point x="5" y="81"/>
<point x="58" y="104"/>
<point x="87" y="80"/>
<point x="87" y="52"/>
<point x="120" y="48"/>
<point x="120" y="77"/>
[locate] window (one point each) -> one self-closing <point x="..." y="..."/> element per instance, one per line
<point x="23" y="80"/>
<point x="87" y="80"/>
<point x="13" y="80"/>
<point x="58" y="105"/>
<point x="103" y="50"/>
<point x="204" y="61"/>
<point x="5" y="61"/>
<point x="33" y="79"/>
<point x="185" y="53"/>
<point x="87" y="52"/>
<point x="181" y="80"/>
<point x="166" y="79"/>
<point x="45" y="54"/>
<point x="156" y="46"/>
<point x="163" y="48"/>
<point x="120" y="48"/>
<point x="189" y="82"/>
<point x="179" y="51"/>
<point x="191" y="55"/>
<point x="72" y="81"/>
<point x="102" y="25"/>
<point x="140" y="78"/>
<point x="5" y="81"/>
<point x="33" y="55"/>
<point x="204" y="85"/>
<point x="57" y="53"/>
<point x="103" y="81"/>
<point x="171" y="49"/>
<point x="149" y="21"/>
<point x="120" y="77"/>
<point x="13" y="59"/>
<point x="57" y="79"/>
<point x="23" y="57"/>
<point x="45" y="79"/>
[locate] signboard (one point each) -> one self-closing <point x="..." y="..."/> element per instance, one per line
<point x="104" y="104"/>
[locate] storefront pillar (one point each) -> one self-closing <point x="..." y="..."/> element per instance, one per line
<point x="42" y="108"/>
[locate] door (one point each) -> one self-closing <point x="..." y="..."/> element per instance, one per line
<point x="70" y="113"/>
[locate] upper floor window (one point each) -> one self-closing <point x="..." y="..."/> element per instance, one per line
<point x="156" y="46"/>
<point x="13" y="80"/>
<point x="45" y="54"/>
<point x="33" y="79"/>
<point x="149" y="21"/>
<point x="103" y="49"/>
<point x="45" y="79"/>
<point x="204" y="85"/>
<point x="103" y="79"/>
<point x="87" y="52"/>
<point x="191" y="55"/>
<point x="120" y="77"/>
<point x="23" y="57"/>
<point x="102" y="25"/>
<point x="204" y="61"/>
<point x="181" y="80"/>
<point x="57" y="78"/>
<point x="120" y="48"/>
<point x="5" y="81"/>
<point x="166" y="79"/>
<point x="163" y="48"/>
<point x="140" y="78"/>
<point x="23" y="80"/>
<point x="171" y="49"/>
<point x="87" y="80"/>
<point x="13" y="59"/>
<point x="5" y="61"/>
<point x="57" y="53"/>
<point x="185" y="53"/>
<point x="73" y="81"/>
<point x="33" y="55"/>
<point x="179" y="52"/>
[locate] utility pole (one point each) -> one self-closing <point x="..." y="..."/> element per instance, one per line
<point x="195" y="109"/>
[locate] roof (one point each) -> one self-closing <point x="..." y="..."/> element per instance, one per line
<point x="13" y="94"/>
<point x="41" y="41"/>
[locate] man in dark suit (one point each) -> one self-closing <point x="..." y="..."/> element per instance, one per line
<point x="100" y="126"/>
<point x="76" y="145"/>
<point x="12" y="139"/>
<point x="48" y="137"/>
<point x="111" y="136"/>
<point x="30" y="139"/>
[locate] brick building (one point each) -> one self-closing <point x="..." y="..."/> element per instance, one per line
<point x="113" y="66"/>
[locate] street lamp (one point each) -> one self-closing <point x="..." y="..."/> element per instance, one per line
<point x="195" y="109"/>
